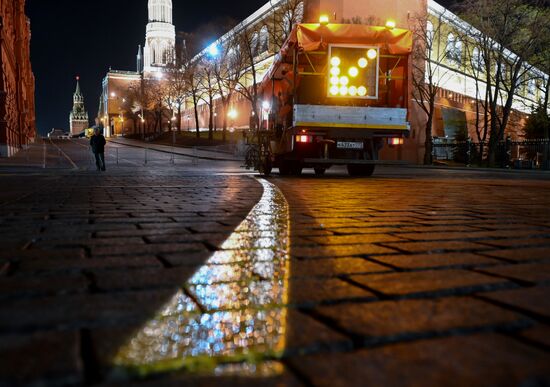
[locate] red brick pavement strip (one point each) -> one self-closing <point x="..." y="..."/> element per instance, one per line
<point x="452" y="293"/>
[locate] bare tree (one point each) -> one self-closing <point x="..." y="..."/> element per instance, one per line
<point x="475" y="68"/>
<point x="176" y="89"/>
<point x="191" y="78"/>
<point x="246" y="72"/>
<point x="428" y="74"/>
<point x="513" y="27"/>
<point x="208" y="90"/>
<point x="284" y="17"/>
<point x="226" y="79"/>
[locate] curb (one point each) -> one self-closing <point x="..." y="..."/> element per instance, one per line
<point x="176" y="153"/>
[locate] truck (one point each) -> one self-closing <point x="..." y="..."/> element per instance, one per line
<point x="335" y="95"/>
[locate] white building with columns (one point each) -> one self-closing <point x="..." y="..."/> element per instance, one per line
<point x="160" y="38"/>
<point x="158" y="52"/>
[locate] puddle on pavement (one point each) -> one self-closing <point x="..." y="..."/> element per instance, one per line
<point x="235" y="317"/>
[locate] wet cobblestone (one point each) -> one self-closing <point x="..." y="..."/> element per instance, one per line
<point x="443" y="280"/>
<point x="130" y="279"/>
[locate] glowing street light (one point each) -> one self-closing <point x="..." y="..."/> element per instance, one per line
<point x="213" y="50"/>
<point x="232" y="114"/>
<point x="266" y="105"/>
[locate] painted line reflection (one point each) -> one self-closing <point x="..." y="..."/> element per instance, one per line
<point x="231" y="309"/>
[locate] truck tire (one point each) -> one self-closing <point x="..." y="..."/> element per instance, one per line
<point x="297" y="168"/>
<point x="360" y="170"/>
<point x="320" y="171"/>
<point x="266" y="167"/>
<point x="285" y="168"/>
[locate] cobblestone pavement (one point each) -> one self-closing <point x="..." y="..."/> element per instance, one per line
<point x="423" y="278"/>
<point x="162" y="272"/>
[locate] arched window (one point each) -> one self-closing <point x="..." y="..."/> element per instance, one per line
<point x="287" y="23"/>
<point x="429" y="33"/>
<point x="458" y="51"/>
<point x="531" y="88"/>
<point x="264" y="39"/>
<point x="255" y="43"/>
<point x="478" y="62"/>
<point x="453" y="50"/>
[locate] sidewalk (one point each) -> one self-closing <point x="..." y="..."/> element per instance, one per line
<point x="188" y="152"/>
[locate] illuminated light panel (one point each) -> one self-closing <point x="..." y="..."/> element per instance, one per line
<point x="335" y="71"/>
<point x="304" y="139"/>
<point x="344" y="81"/>
<point x="395" y="141"/>
<point x="371" y="54"/>
<point x="362" y="91"/>
<point x="352" y="91"/>
<point x="324" y="20"/>
<point x="390" y="24"/>
<point x="363" y="62"/>
<point x="334" y="90"/>
<point x="353" y="71"/>
<point x="335" y="61"/>
<point x="344" y="91"/>
<point x="334" y="81"/>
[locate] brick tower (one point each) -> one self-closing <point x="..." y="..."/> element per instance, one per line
<point x="79" y="116"/>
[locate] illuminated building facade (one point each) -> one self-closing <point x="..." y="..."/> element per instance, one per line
<point x="119" y="115"/>
<point x="17" y="108"/>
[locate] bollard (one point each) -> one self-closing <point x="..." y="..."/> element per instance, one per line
<point x="468" y="152"/>
<point x="195" y="158"/>
<point x="145" y="163"/>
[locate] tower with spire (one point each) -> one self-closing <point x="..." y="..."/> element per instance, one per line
<point x="78" y="119"/>
<point x="160" y="39"/>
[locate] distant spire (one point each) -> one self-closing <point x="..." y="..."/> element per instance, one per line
<point x="78" y="94"/>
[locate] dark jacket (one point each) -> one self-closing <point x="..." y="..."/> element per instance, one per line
<point x="97" y="142"/>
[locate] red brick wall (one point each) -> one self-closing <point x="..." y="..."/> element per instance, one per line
<point x="17" y="108"/>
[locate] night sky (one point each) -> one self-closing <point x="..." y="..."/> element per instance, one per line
<point x="86" y="37"/>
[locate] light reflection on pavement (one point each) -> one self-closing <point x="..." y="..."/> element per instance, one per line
<point x="232" y="309"/>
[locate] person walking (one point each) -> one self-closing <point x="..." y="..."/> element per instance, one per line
<point x="97" y="143"/>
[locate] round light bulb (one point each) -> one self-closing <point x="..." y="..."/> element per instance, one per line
<point x="363" y="62"/>
<point x="334" y="90"/>
<point x="352" y="91"/>
<point x="344" y="90"/>
<point x="344" y="81"/>
<point x="353" y="72"/>
<point x="335" y="71"/>
<point x="372" y="53"/>
<point x="362" y="91"/>
<point x="335" y="61"/>
<point x="334" y="81"/>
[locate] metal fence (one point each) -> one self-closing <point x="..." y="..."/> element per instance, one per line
<point x="527" y="154"/>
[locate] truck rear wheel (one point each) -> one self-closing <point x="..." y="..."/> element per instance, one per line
<point x="285" y="168"/>
<point x="320" y="171"/>
<point x="360" y="170"/>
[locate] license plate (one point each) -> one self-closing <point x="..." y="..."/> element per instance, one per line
<point x="349" y="145"/>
